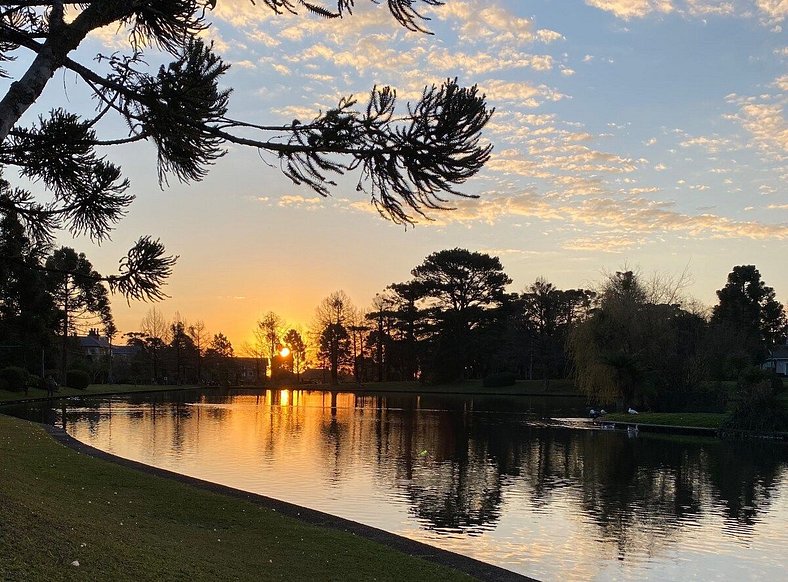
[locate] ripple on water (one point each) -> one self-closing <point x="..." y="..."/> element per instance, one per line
<point x="551" y="502"/>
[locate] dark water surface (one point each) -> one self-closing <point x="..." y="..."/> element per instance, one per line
<point x="482" y="476"/>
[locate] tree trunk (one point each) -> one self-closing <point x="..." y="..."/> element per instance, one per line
<point x="63" y="39"/>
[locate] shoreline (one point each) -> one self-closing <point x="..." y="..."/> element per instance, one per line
<point x="181" y="493"/>
<point x="471" y="566"/>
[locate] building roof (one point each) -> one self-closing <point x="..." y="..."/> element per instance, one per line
<point x="779" y="353"/>
<point x="125" y="351"/>
<point x="92" y="341"/>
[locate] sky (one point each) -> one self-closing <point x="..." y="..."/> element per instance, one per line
<point x="647" y="134"/>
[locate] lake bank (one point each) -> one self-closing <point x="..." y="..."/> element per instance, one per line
<point x="62" y="505"/>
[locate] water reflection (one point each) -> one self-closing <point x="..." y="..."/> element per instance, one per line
<point x="482" y="476"/>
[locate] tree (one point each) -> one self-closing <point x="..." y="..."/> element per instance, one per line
<point x="27" y="314"/>
<point x="295" y="343"/>
<point x="156" y="335"/>
<point x="635" y="350"/>
<point x="748" y="311"/>
<point x="407" y="324"/>
<point x="332" y="316"/>
<point x="219" y="356"/>
<point x="199" y="336"/>
<point x="461" y="291"/>
<point x="380" y="315"/>
<point x="181" y="345"/>
<point x="267" y="336"/>
<point x="335" y="348"/>
<point x="404" y="162"/>
<point x="549" y="315"/>
<point x="78" y="293"/>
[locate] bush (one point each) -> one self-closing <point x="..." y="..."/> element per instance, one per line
<point x="709" y="398"/>
<point x="35" y="381"/>
<point x="499" y="379"/>
<point x="758" y="408"/>
<point x="15" y="377"/>
<point x="78" y="379"/>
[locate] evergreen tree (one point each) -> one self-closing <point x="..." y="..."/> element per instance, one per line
<point x="749" y="312"/>
<point x="78" y="292"/>
<point x="406" y="163"/>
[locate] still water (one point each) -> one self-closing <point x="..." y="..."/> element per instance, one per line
<point x="485" y="477"/>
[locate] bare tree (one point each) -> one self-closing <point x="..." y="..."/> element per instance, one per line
<point x="267" y="335"/>
<point x="157" y="333"/>
<point x="200" y="336"/>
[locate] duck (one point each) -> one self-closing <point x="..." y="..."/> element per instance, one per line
<point x="632" y="411"/>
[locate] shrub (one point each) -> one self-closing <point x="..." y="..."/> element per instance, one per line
<point x="15" y="377"/>
<point x="35" y="381"/>
<point x="3" y="384"/>
<point x="78" y="379"/>
<point x="499" y="379"/>
<point x="758" y="408"/>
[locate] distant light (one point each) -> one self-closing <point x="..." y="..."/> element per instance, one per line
<point x="284" y="352"/>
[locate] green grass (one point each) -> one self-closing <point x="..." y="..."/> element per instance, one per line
<point x="57" y="506"/>
<point x="93" y="389"/>
<point x="695" y="419"/>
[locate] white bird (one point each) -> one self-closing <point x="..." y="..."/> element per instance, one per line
<point x="632" y="411"/>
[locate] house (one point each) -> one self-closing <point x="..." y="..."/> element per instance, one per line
<point x="94" y="346"/>
<point x="778" y="360"/>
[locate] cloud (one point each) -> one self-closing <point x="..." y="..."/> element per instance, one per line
<point x="630" y="215"/>
<point x="628" y="9"/>
<point x="710" y="8"/>
<point x="477" y="21"/>
<point x="769" y="12"/>
<point x="773" y="12"/>
<point x="441" y="59"/>
<point x="520" y="94"/>
<point x="711" y="144"/>
<point x="299" y="201"/>
<point x="766" y="125"/>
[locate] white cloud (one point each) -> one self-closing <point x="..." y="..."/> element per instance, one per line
<point x="628" y="9"/>
<point x="712" y="144"/>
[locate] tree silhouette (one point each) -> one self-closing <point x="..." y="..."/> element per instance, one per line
<point x="27" y="313"/>
<point x="156" y="335"/>
<point x="295" y="343"/>
<point x="460" y="292"/>
<point x="199" y="336"/>
<point x="77" y="291"/>
<point x="749" y="310"/>
<point x="267" y="336"/>
<point x="332" y="316"/>
<point x="407" y="163"/>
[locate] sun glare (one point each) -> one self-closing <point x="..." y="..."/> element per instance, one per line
<point x="284" y="352"/>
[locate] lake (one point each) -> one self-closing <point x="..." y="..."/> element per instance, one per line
<point x="482" y="476"/>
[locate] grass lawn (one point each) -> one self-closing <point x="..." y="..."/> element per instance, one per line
<point x="57" y="506"/>
<point x="93" y="389"/>
<point x="697" y="419"/>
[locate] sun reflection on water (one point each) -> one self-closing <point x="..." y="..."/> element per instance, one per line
<point x="478" y="477"/>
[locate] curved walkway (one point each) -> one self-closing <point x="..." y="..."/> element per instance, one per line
<point x="475" y="568"/>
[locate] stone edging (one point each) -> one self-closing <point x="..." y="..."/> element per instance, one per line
<point x="475" y="568"/>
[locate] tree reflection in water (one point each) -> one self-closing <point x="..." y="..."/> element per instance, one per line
<point x="461" y="464"/>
